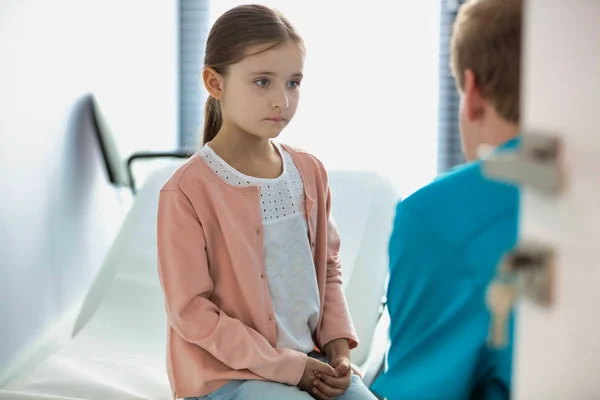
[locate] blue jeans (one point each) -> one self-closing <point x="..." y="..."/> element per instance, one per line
<point x="263" y="390"/>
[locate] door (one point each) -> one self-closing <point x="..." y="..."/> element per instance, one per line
<point x="557" y="349"/>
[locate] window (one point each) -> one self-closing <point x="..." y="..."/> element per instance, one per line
<point x="193" y="30"/>
<point x="449" y="145"/>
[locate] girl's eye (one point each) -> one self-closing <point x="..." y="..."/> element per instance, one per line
<point x="262" y="82"/>
<point x="293" y="84"/>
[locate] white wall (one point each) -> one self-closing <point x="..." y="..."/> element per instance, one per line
<point x="58" y="214"/>
<point x="557" y="349"/>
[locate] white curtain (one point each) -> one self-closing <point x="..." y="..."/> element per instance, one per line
<point x="370" y="94"/>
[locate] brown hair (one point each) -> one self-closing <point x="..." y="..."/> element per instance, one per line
<point x="228" y="39"/>
<point x="486" y="39"/>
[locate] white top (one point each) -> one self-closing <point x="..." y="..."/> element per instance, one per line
<point x="289" y="264"/>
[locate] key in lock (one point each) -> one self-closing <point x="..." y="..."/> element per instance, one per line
<point x="528" y="271"/>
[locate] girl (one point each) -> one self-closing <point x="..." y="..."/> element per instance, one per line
<point x="248" y="258"/>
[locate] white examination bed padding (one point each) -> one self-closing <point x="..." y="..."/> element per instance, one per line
<point x="115" y="349"/>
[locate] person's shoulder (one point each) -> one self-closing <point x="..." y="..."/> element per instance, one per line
<point x="436" y="217"/>
<point x="447" y="188"/>
<point x="308" y="163"/>
<point x="187" y="175"/>
<point x="460" y="202"/>
<point x="305" y="156"/>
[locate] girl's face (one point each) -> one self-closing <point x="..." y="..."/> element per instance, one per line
<point x="259" y="95"/>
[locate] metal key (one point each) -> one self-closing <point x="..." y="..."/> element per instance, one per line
<point x="501" y="296"/>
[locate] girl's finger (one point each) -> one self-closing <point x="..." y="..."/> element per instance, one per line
<point x="318" y="394"/>
<point x="341" y="382"/>
<point x="329" y="391"/>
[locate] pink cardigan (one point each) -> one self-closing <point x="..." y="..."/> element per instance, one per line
<point x="212" y="270"/>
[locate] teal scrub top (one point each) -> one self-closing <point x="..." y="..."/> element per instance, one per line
<point x="447" y="241"/>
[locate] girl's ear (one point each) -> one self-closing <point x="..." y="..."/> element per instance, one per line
<point x="213" y="82"/>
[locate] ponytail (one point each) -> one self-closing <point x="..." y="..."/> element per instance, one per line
<point x="212" y="119"/>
